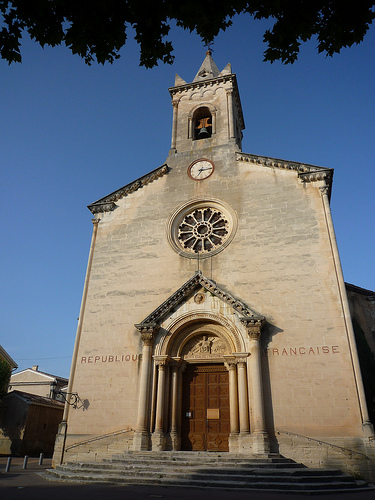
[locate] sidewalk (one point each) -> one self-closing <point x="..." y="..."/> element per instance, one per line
<point x="29" y="484"/>
<point x="18" y="477"/>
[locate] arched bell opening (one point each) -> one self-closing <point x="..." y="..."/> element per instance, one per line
<point x="202" y="123"/>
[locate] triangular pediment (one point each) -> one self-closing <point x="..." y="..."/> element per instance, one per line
<point x="107" y="203"/>
<point x="199" y="281"/>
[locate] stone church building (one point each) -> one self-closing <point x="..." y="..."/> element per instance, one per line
<point x="214" y="313"/>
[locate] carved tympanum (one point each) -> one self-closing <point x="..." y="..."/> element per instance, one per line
<point x="205" y="346"/>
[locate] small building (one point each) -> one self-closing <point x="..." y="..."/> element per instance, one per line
<point x="33" y="381"/>
<point x="28" y="423"/>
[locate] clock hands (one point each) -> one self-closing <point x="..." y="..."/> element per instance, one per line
<point x="202" y="168"/>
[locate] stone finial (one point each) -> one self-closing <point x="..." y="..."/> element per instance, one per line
<point x="208" y="69"/>
<point x="179" y="81"/>
<point x="227" y="70"/>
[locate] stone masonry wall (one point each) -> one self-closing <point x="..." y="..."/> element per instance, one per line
<point x="279" y="263"/>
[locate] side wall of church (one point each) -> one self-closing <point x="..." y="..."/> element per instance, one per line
<point x="279" y="263"/>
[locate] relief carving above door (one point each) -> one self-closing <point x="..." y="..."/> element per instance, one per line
<point x="205" y="346"/>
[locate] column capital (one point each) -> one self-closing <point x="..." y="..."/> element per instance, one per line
<point x="161" y="360"/>
<point x="324" y="190"/>
<point x="95" y="222"/>
<point x="253" y="327"/>
<point x="147" y="331"/>
<point x="240" y="357"/>
<point x="176" y="363"/>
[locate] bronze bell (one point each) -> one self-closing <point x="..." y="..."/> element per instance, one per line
<point x="203" y="133"/>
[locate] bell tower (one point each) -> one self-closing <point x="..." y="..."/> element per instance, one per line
<point x="207" y="112"/>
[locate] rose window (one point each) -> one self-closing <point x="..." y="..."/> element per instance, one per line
<point x="203" y="230"/>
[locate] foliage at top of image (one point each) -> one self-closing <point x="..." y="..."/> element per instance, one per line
<point x="96" y="30"/>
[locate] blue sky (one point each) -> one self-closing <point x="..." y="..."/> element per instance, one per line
<point x="71" y="134"/>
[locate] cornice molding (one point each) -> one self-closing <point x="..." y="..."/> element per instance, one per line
<point x="203" y="83"/>
<point x="305" y="171"/>
<point x="107" y="203"/>
<point x="199" y="280"/>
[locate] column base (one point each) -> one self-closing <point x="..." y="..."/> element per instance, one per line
<point x="260" y="444"/>
<point x="368" y="428"/>
<point x="158" y="441"/>
<point x="58" y="452"/>
<point x="244" y="443"/>
<point x="233" y="442"/>
<point x="141" y="441"/>
<point x="175" y="441"/>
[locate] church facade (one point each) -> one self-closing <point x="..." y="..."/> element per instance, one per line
<point x="214" y="314"/>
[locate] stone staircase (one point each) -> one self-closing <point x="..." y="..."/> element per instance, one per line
<point x="209" y="470"/>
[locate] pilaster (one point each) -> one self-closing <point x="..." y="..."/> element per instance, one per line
<point x="260" y="439"/>
<point x="141" y="440"/>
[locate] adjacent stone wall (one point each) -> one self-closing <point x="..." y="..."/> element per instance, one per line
<point x="355" y="456"/>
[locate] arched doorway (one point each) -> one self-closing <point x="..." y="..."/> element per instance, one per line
<point x="202" y="411"/>
<point x="205" y="331"/>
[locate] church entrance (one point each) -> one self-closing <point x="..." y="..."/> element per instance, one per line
<point x="205" y="424"/>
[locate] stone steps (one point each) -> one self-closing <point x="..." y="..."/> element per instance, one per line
<point x="208" y="470"/>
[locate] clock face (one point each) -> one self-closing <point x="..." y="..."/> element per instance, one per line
<point x="200" y="169"/>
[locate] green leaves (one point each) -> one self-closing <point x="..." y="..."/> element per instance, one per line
<point x="5" y="372"/>
<point x="96" y="29"/>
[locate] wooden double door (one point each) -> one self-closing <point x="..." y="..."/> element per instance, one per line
<point x="205" y="423"/>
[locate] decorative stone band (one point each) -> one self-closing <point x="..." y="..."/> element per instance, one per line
<point x="107" y="204"/>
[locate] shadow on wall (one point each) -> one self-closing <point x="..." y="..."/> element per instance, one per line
<point x="270" y="332"/>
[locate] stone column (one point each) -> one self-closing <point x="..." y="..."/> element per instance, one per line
<point x="233" y="402"/>
<point x="367" y="426"/>
<point x="175" y="431"/>
<point x="243" y="399"/>
<point x="230" y="113"/>
<point x="259" y="432"/>
<point x="141" y="439"/>
<point x="158" y="437"/>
